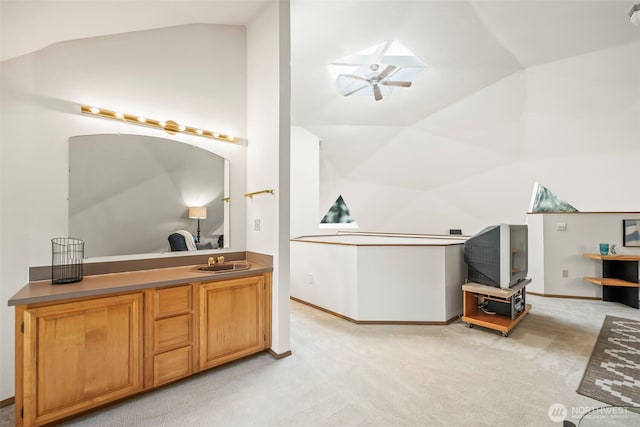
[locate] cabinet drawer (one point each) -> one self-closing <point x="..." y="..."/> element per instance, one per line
<point x="172" y="301"/>
<point x="172" y="332"/>
<point x="171" y="365"/>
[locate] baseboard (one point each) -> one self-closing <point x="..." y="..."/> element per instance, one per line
<point x="374" y="322"/>
<point x="7" y="402"/>
<point x="563" y="296"/>
<point x="279" y="355"/>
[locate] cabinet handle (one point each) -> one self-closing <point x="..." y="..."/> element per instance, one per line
<point x="22" y="327"/>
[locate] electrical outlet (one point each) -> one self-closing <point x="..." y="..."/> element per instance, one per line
<point x="256" y="224"/>
<point x="565" y="273"/>
<point x="310" y="279"/>
<point x="561" y="226"/>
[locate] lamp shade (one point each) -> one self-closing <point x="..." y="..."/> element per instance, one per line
<point x="198" y="212"/>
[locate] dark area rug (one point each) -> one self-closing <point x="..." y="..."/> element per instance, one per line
<point x="613" y="373"/>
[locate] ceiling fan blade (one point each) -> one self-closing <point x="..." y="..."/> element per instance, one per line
<point x="354" y="91"/>
<point x="377" y="94"/>
<point x="395" y="83"/>
<point x="382" y="51"/>
<point x="353" y="76"/>
<point x="390" y="69"/>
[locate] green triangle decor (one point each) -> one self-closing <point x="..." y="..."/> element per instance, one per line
<point x="338" y="213"/>
<point x="544" y="200"/>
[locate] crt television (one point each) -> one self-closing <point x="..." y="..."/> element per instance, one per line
<point x="497" y="256"/>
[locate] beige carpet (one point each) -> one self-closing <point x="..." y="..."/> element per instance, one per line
<point x="613" y="372"/>
<point x="342" y="374"/>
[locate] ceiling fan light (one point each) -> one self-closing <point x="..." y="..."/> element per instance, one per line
<point x="370" y="72"/>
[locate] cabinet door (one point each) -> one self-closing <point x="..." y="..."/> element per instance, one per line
<point x="80" y="355"/>
<point x="231" y="320"/>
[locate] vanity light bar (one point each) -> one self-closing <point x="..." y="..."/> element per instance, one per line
<point x="168" y="126"/>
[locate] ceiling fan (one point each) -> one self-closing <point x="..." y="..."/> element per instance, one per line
<point x="375" y="80"/>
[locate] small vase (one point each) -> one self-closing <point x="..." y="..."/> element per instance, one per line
<point x="604" y="249"/>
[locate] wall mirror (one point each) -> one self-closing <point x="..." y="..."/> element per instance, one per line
<point x="128" y="193"/>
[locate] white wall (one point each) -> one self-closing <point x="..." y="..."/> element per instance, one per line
<point x="268" y="154"/>
<point x="571" y="125"/>
<point x="563" y="250"/>
<point x="380" y="281"/>
<point x="326" y="275"/>
<point x="402" y="283"/>
<point x="150" y="73"/>
<point x="535" y="224"/>
<point x="6" y="317"/>
<point x="305" y="188"/>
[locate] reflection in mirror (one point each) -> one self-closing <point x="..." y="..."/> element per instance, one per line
<point x="128" y="193"/>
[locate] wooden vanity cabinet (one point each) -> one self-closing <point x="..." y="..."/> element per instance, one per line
<point x="78" y="355"/>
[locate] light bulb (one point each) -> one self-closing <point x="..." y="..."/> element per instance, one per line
<point x="181" y="128"/>
<point x="199" y="131"/>
<point x="119" y="115"/>
<point x="94" y="110"/>
<point x="142" y="119"/>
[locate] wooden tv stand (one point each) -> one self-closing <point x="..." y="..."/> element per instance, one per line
<point x="619" y="279"/>
<point x="473" y="315"/>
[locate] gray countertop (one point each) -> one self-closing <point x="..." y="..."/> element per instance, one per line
<point x="105" y="284"/>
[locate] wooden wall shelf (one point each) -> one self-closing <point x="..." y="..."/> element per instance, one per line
<point x="613" y="257"/>
<point x="619" y="279"/>
<point x="608" y="281"/>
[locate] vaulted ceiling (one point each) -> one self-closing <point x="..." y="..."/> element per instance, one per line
<point x="30" y="25"/>
<point x="467" y="45"/>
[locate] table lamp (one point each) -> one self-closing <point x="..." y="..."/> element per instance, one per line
<point x="198" y="213"/>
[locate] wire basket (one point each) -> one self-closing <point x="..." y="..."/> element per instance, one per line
<point x="66" y="260"/>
